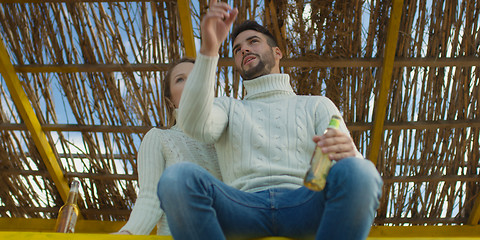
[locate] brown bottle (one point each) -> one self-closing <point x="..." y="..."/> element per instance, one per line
<point x="316" y="177"/>
<point x="68" y="214"/>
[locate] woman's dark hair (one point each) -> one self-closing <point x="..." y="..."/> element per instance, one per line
<point x="252" y="25"/>
<point x="167" y="95"/>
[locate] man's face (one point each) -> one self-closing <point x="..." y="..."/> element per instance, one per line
<point x="253" y="56"/>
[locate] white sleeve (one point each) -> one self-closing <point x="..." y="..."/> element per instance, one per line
<point x="197" y="115"/>
<point x="146" y="212"/>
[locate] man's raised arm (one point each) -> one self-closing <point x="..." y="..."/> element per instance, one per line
<point x="197" y="115"/>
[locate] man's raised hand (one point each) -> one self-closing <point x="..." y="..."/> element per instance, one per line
<point x="215" y="26"/>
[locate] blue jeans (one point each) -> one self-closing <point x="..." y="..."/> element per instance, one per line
<point x="199" y="206"/>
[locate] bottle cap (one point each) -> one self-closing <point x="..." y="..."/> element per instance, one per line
<point x="335" y="122"/>
<point x="74" y="185"/>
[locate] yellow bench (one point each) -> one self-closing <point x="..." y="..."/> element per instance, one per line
<point x="92" y="236"/>
<point x="36" y="228"/>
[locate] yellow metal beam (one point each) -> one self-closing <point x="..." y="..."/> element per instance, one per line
<point x="387" y="69"/>
<point x="82" y="236"/>
<point x="31" y="121"/>
<point x="187" y="29"/>
<point x="48" y="225"/>
<point x="474" y="217"/>
<point x="437" y="232"/>
<point x="77" y="236"/>
<point x="377" y="232"/>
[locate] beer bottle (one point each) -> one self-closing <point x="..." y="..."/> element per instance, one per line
<point x="316" y="177"/>
<point x="67" y="216"/>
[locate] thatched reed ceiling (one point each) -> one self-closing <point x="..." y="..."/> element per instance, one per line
<point x="91" y="70"/>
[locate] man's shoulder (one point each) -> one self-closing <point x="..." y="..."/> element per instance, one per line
<point x="226" y="100"/>
<point x="314" y="98"/>
<point x="317" y="101"/>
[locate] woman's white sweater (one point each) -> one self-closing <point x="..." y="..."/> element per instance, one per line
<point x="263" y="141"/>
<point x="158" y="150"/>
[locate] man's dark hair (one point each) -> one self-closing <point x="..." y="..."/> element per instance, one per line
<point x="252" y="25"/>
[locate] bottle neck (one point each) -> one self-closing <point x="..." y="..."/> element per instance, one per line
<point x="334" y="122"/>
<point x="73" y="194"/>
<point x="72" y="197"/>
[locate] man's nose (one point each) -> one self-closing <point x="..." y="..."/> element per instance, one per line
<point x="244" y="51"/>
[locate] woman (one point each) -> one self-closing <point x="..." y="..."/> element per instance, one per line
<point x="162" y="148"/>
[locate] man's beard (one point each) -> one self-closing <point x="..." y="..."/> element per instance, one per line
<point x="262" y="68"/>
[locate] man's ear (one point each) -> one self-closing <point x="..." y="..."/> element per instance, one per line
<point x="278" y="53"/>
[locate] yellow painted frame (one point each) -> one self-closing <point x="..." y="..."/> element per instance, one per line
<point x="475" y="214"/>
<point x="31" y="121"/>
<point x="50" y="236"/>
<point x="187" y="29"/>
<point x="82" y="236"/>
<point x="387" y="70"/>
<point x="377" y="232"/>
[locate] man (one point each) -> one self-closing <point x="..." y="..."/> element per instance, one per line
<point x="264" y="145"/>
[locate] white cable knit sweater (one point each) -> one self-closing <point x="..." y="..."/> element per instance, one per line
<point x="158" y="150"/>
<point x="263" y="141"/>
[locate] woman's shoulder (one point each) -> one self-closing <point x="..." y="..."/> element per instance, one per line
<point x="157" y="133"/>
<point x="164" y="130"/>
<point x="173" y="133"/>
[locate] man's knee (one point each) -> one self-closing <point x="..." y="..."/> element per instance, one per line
<point x="357" y="172"/>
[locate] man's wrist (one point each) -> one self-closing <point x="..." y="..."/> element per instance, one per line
<point x="209" y="58"/>
<point x="209" y="51"/>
